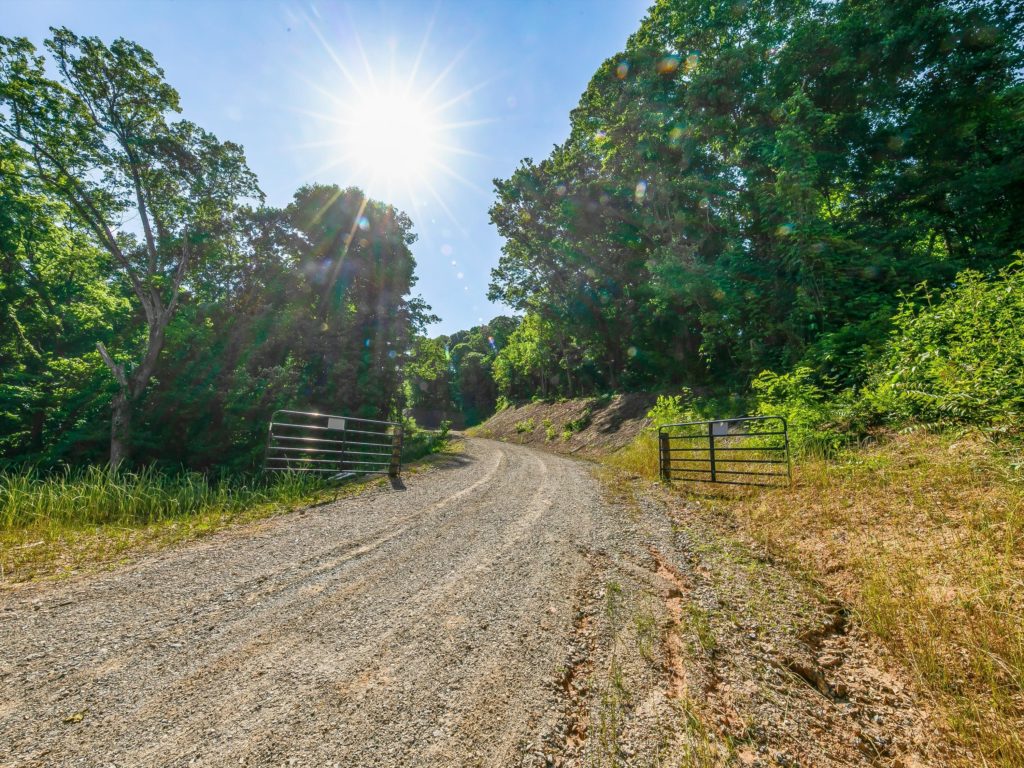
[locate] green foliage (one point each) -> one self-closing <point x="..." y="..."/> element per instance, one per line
<point x="753" y="189"/>
<point x="98" y="141"/>
<point x="418" y="443"/>
<point x="526" y="425"/>
<point x="672" y="409"/>
<point x="550" y="433"/>
<point x="98" y="497"/>
<point x="810" y="411"/>
<point x="957" y="358"/>
<point x="124" y="230"/>
<point x="576" y="425"/>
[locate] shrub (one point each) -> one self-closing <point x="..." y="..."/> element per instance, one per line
<point x="810" y="412"/>
<point x="960" y="359"/>
<point x="672" y="409"/>
<point x="549" y="430"/>
<point x="578" y="424"/>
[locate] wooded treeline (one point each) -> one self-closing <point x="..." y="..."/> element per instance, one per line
<point x="154" y="310"/>
<point x="753" y="185"/>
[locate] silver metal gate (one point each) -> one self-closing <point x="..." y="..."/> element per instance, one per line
<point x="751" y="450"/>
<point x="337" y="446"/>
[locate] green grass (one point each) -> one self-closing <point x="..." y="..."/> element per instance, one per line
<point x="95" y="496"/>
<point x="57" y="522"/>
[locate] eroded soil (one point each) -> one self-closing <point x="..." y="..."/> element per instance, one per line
<point x="507" y="608"/>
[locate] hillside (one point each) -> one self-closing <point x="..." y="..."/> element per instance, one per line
<point x="590" y="427"/>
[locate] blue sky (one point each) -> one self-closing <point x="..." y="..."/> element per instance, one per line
<point x="478" y="85"/>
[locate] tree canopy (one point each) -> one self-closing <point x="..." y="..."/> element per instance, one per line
<point x="145" y="284"/>
<point x="753" y="185"/>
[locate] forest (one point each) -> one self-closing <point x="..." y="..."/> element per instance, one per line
<point x="829" y="192"/>
<point x="738" y="197"/>
<point x="154" y="310"/>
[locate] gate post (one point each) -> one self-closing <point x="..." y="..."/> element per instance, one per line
<point x="663" y="456"/>
<point x="711" y="449"/>
<point x="395" y="467"/>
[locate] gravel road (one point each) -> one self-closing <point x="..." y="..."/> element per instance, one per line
<point x="419" y="625"/>
<point x="506" y="608"/>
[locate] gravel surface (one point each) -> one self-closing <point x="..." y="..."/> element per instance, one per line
<point x="503" y="609"/>
<point x="419" y="625"/>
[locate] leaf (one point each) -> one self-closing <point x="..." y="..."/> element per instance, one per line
<point x="77" y="717"/>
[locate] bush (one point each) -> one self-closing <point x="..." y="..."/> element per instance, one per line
<point x="578" y="424"/>
<point x="810" y="412"/>
<point x="958" y="360"/>
<point x="672" y="409"/>
<point x="550" y="433"/>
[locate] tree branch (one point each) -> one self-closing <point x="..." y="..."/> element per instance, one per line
<point x="116" y="369"/>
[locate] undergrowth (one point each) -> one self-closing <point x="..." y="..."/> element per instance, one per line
<point x="56" y="522"/>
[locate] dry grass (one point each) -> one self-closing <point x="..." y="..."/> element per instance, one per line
<point x="639" y="457"/>
<point x="923" y="536"/>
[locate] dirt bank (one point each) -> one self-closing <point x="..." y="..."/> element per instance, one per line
<point x="589" y="427"/>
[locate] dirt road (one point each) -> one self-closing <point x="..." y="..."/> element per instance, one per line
<point x="501" y="609"/>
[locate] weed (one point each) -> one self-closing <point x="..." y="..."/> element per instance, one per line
<point x="699" y="621"/>
<point x="527" y="425"/>
<point x="549" y="430"/>
<point x="646" y="634"/>
<point x="578" y="424"/>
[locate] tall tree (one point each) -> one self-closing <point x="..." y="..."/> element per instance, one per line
<point x="158" y="196"/>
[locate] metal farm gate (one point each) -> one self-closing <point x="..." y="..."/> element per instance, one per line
<point x="751" y="450"/>
<point x="338" y="446"/>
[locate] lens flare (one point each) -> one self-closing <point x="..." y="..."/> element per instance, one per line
<point x="386" y="124"/>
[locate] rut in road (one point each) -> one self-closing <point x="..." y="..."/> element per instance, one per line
<point x="501" y="609"/>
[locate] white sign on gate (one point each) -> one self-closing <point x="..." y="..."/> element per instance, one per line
<point x="333" y="423"/>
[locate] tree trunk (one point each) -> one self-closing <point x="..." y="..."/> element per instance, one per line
<point x="120" y="428"/>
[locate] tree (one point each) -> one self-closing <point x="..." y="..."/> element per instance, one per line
<point x="159" y="197"/>
<point x="752" y="185"/>
<point x="57" y="298"/>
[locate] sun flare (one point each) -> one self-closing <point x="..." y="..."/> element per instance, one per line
<point x="391" y="127"/>
<point x="391" y="138"/>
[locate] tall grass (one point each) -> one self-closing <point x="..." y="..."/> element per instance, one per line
<point x="68" y="517"/>
<point x="96" y="496"/>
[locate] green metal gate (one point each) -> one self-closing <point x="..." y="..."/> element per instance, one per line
<point x="750" y="450"/>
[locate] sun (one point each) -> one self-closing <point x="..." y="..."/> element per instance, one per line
<point x="391" y="138"/>
<point x="386" y="125"/>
